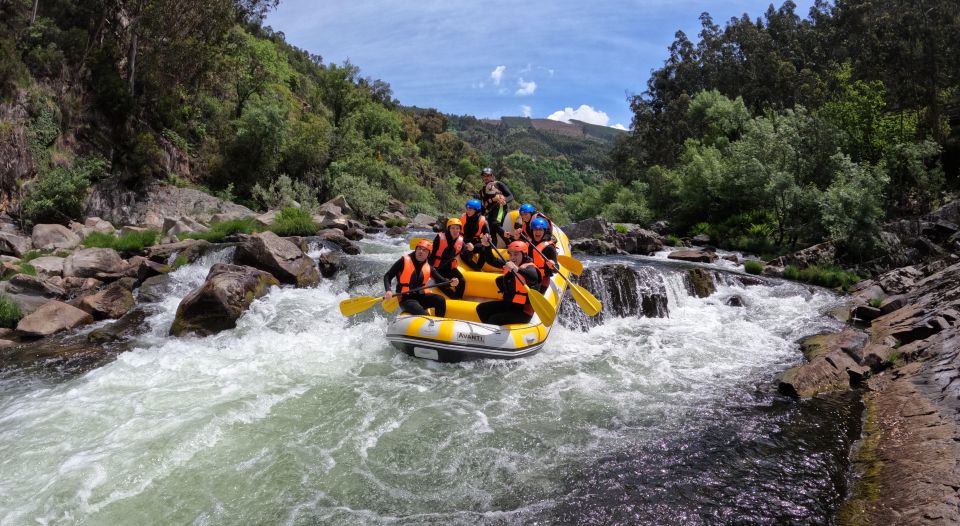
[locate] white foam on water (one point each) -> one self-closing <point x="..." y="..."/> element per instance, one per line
<point x="299" y="415"/>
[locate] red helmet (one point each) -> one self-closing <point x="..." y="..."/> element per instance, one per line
<point x="517" y="246"/>
<point x="425" y="244"/>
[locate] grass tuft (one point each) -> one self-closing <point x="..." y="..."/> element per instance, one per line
<point x="294" y="222"/>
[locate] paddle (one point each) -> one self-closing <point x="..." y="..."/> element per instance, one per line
<point x="351" y="306"/>
<point x="588" y="302"/>
<point x="391" y="304"/>
<point x="540" y="305"/>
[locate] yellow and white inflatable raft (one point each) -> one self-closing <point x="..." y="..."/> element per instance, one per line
<point x="460" y="335"/>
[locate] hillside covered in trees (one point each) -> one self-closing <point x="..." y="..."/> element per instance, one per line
<point x="201" y="94"/>
<point x="781" y="131"/>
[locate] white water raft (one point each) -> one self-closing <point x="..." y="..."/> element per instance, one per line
<point x="461" y="336"/>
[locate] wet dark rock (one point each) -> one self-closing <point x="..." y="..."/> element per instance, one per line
<point x="831" y="366"/>
<point x="731" y="258"/>
<point x="596" y="247"/>
<point x="142" y="268"/>
<point x="701" y="282"/>
<point x="637" y="241"/>
<point x="280" y="257"/>
<point x="624" y="292"/>
<point x="221" y="300"/>
<point x="734" y="301"/>
<point x="112" y="302"/>
<point x="397" y="231"/>
<point x="338" y="238"/>
<point x="154" y="289"/>
<point x="865" y="312"/>
<point x="892" y="303"/>
<point x="190" y="249"/>
<point x="661" y="227"/>
<point x="131" y="324"/>
<point x="354" y="234"/>
<point x="329" y="264"/>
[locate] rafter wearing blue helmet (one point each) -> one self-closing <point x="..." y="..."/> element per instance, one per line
<point x="528" y="213"/>
<point x="474" y="227"/>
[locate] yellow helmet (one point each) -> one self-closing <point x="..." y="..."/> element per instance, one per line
<point x="454" y="221"/>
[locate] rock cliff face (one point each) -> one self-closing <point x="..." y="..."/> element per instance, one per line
<point x="128" y="207"/>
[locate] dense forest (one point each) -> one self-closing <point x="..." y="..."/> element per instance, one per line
<point x="778" y="132"/>
<point x="100" y="92"/>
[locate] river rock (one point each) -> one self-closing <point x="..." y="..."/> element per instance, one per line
<point x="112" y="302"/>
<point x="218" y="303"/>
<point x="52" y="317"/>
<point x="424" y="221"/>
<point x="280" y="257"/>
<point x="329" y="264"/>
<point x="353" y="234"/>
<point x="701" y="282"/>
<point x="638" y="241"/>
<point x="48" y="266"/>
<point x="14" y="244"/>
<point x="99" y="225"/>
<point x="822" y="254"/>
<point x="93" y="262"/>
<point x="734" y="301"/>
<point x="121" y="205"/>
<point x="597" y="247"/>
<point x="592" y="228"/>
<point x="26" y="284"/>
<point x="51" y="237"/>
<point x="697" y="256"/>
<point x="190" y="249"/>
<point x="831" y="367"/>
<point x="336" y="237"/>
<point x="624" y="292"/>
<point x="154" y="289"/>
<point x="142" y="268"/>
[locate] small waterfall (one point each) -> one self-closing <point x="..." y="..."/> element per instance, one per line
<point x="678" y="288"/>
<point x="624" y="291"/>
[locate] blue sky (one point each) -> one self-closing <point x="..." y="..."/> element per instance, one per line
<point x="504" y="57"/>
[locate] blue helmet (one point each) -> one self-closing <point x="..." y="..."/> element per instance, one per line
<point x="527" y="208"/>
<point x="539" y="223"/>
<point x="474" y="204"/>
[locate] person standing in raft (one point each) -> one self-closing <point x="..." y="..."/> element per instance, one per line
<point x="443" y="257"/>
<point x="515" y="306"/>
<point x="474" y="228"/>
<point x="543" y="241"/>
<point x="414" y="271"/>
<point x="495" y="195"/>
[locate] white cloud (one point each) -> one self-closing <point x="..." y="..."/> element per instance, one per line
<point x="584" y="114"/>
<point x="619" y="126"/>
<point x="497" y="74"/>
<point x="527" y="111"/>
<point x="526" y="88"/>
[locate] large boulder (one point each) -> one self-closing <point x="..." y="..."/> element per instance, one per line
<point x="190" y="249"/>
<point x="338" y="238"/>
<point x="424" y="221"/>
<point x="593" y="228"/>
<point x="822" y="254"/>
<point x="278" y="256"/>
<point x="639" y="241"/>
<point x="696" y="256"/>
<point x="701" y="282"/>
<point x="54" y="316"/>
<point x="26" y="284"/>
<point x="218" y="303"/>
<point x="48" y="266"/>
<point x="93" y="262"/>
<point x="112" y="302"/>
<point x="831" y="366"/>
<point x="154" y="289"/>
<point x="144" y="206"/>
<point x="51" y="237"/>
<point x="14" y="244"/>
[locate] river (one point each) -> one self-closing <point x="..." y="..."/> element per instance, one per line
<point x="299" y="416"/>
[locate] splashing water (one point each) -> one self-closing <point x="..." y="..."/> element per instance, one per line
<point x="300" y="416"/>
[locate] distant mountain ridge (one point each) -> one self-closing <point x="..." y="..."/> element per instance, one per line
<point x="584" y="145"/>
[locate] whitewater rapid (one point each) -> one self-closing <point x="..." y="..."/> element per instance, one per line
<point x="299" y="416"/>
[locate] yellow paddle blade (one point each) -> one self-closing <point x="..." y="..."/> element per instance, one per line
<point x="391" y="304"/>
<point x="588" y="302"/>
<point x="570" y="263"/>
<point x="542" y="307"/>
<point x="415" y="240"/>
<point x="351" y="306"/>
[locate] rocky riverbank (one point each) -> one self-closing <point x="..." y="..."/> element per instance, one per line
<point x="903" y="351"/>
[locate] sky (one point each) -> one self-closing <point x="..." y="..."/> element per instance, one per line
<point x="557" y="59"/>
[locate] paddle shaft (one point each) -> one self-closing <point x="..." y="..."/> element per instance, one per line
<point x="418" y="289"/>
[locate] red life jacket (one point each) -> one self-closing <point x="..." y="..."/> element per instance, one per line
<point x="481" y="222"/>
<point x="519" y="294"/>
<point x="441" y="247"/>
<point x="407" y="274"/>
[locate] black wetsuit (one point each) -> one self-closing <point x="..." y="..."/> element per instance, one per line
<point x="506" y="311"/>
<point x="473" y="258"/>
<point x="415" y="302"/>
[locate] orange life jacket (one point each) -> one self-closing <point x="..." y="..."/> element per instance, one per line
<point x="481" y="222"/>
<point x="407" y="274"/>
<point x="520" y="288"/>
<point x="441" y="247"/>
<point x="527" y="231"/>
<point x="538" y="260"/>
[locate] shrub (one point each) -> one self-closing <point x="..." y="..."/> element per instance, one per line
<point x="219" y="231"/>
<point x="673" y="240"/>
<point x="700" y="228"/>
<point x="621" y="229"/>
<point x="58" y="195"/>
<point x="875" y="302"/>
<point x="792" y="272"/>
<point x="10" y="312"/>
<point x="284" y="192"/>
<point x="752" y="266"/>
<point x="129" y="242"/>
<point x="294" y="222"/>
